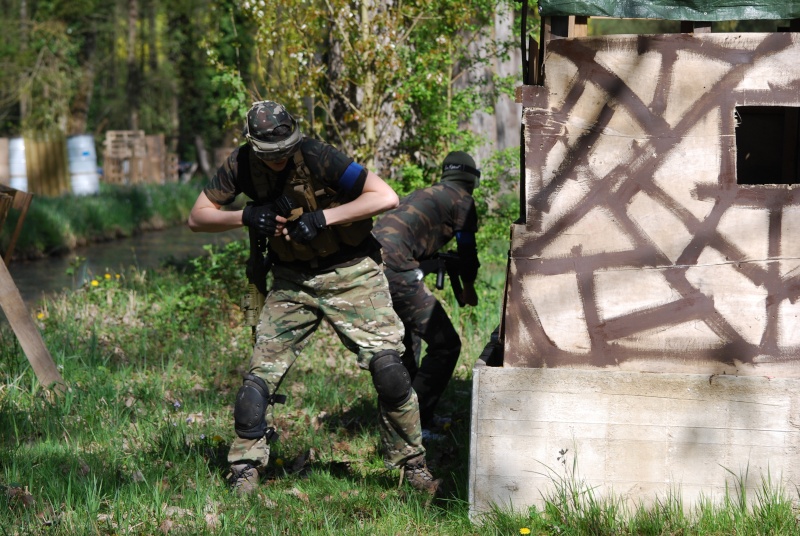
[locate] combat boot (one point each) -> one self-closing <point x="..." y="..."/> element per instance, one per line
<point x="243" y="478"/>
<point x="415" y="472"/>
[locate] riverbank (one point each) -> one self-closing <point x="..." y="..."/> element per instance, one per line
<point x="146" y="251"/>
<point x="58" y="225"/>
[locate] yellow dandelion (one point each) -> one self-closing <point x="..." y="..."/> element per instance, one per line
<point x="40" y="315"/>
<point x="95" y="282"/>
<point x="116" y="276"/>
<point x="107" y="276"/>
<point x="279" y="462"/>
<point x="524" y="530"/>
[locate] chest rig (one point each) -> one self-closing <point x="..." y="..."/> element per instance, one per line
<point x="308" y="194"/>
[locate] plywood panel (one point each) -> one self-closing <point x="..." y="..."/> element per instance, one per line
<point x="632" y="197"/>
<point x="637" y="435"/>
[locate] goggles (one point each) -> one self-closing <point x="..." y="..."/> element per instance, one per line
<point x="278" y="150"/>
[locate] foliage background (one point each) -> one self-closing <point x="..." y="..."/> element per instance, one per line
<point x="393" y="84"/>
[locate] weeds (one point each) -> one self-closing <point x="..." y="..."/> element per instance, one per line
<point x="572" y="507"/>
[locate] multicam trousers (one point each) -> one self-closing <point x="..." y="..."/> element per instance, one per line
<point x="423" y="316"/>
<point x="356" y="301"/>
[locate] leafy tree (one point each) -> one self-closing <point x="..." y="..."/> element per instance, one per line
<point x="90" y="65"/>
<point x="382" y="81"/>
<point x="392" y="83"/>
<point x="38" y="58"/>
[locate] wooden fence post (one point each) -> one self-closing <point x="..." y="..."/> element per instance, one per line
<point x="28" y="334"/>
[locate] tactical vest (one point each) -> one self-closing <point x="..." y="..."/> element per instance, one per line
<point x="308" y="193"/>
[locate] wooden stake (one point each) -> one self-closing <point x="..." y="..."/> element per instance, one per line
<point x="28" y="334"/>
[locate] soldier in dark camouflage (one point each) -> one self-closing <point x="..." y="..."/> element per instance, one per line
<point x="326" y="265"/>
<point x="424" y="222"/>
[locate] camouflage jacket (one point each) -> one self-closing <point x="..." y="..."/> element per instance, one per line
<point x="426" y="221"/>
<point x="316" y="172"/>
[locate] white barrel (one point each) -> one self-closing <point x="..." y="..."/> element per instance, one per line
<point x="85" y="183"/>
<point x="83" y="165"/>
<point x="18" y="174"/>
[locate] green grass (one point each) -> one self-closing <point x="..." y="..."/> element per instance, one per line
<point x="138" y="444"/>
<point x="55" y="225"/>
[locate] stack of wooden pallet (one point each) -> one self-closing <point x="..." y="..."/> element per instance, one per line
<point x="124" y="153"/>
<point x="131" y="157"/>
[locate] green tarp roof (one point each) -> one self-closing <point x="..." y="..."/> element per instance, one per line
<point x="699" y="10"/>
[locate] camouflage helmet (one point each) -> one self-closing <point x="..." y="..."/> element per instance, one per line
<point x="459" y="167"/>
<point x="271" y="131"/>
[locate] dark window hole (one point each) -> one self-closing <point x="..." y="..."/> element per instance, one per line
<point x="767" y="150"/>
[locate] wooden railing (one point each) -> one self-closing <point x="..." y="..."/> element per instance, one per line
<point x="17" y="200"/>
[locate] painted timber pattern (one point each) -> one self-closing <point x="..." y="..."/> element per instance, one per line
<point x="640" y="249"/>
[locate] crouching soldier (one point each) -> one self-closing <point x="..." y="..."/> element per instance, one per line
<point x="411" y="234"/>
<point x="313" y="207"/>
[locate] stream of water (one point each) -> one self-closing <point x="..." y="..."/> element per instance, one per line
<point x="148" y="250"/>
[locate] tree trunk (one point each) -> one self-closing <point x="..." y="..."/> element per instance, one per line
<point x="79" y="110"/>
<point x="152" y="38"/>
<point x="24" y="97"/>
<point x="367" y="105"/>
<point x="202" y="156"/>
<point x="133" y="69"/>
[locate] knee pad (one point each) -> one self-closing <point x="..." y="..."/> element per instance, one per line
<point x="390" y="378"/>
<point x="251" y="406"/>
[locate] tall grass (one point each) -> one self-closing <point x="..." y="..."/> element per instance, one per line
<point x="138" y="444"/>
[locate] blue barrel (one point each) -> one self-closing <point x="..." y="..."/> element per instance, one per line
<point x="83" y="165"/>
<point x="18" y="174"/>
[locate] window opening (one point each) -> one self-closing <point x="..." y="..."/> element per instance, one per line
<point x="767" y="150"/>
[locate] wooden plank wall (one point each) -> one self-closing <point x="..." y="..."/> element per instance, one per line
<point x="638" y="437"/>
<point x="47" y="164"/>
<point x="640" y="250"/>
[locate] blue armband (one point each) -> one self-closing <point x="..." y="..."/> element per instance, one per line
<point x="350" y="176"/>
<point x="465" y="238"/>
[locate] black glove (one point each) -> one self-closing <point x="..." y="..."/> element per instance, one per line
<point x="260" y="218"/>
<point x="306" y="227"/>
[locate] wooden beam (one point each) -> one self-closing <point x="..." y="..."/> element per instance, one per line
<point x="21" y="202"/>
<point x="534" y="76"/>
<point x="28" y="334"/>
<point x="578" y="26"/>
<point x="550" y="29"/>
